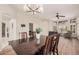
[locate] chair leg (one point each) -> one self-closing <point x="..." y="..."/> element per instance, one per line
<point x="50" y="53"/>
<point x="53" y="51"/>
<point x="57" y="51"/>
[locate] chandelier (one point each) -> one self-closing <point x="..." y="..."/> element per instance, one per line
<point x="33" y="8"/>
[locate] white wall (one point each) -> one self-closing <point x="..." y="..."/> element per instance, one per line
<point x="78" y="28"/>
<point x="21" y="19"/>
<point x="25" y="19"/>
<point x="5" y="9"/>
<point x="50" y="25"/>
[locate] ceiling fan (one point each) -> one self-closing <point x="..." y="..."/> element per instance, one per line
<point x="58" y="16"/>
<point x="34" y="8"/>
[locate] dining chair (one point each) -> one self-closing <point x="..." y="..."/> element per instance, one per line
<point x="47" y="45"/>
<point x="23" y="37"/>
<point x="51" y="44"/>
<point x="54" y="44"/>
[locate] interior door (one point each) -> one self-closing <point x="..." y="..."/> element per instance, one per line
<point x="73" y="29"/>
<point x="31" y="27"/>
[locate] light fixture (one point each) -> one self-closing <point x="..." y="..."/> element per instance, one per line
<point x="33" y="8"/>
<point x="58" y="15"/>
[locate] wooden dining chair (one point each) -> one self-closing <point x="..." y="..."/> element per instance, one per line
<point x="51" y="44"/>
<point x="47" y="45"/>
<point x="32" y="35"/>
<point x="54" y="46"/>
<point x="23" y="37"/>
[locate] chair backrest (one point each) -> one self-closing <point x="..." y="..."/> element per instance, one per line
<point x="23" y="35"/>
<point x="51" y="43"/>
<point x="47" y="45"/>
<point x="32" y="34"/>
<point x="54" y="44"/>
<point x="58" y="39"/>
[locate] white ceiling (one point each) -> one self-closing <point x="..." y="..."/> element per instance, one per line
<point x="50" y="10"/>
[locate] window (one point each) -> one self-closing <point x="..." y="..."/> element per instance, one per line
<point x="7" y="32"/>
<point x="72" y="27"/>
<point x="3" y="29"/>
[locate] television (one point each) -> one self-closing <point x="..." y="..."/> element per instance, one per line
<point x="52" y="32"/>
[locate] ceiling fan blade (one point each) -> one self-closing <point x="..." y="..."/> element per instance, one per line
<point x="37" y="11"/>
<point x="29" y="11"/>
<point x="30" y="8"/>
<point x="37" y="8"/>
<point x="57" y="15"/>
<point x="61" y="16"/>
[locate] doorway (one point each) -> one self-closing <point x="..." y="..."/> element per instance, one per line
<point x="31" y="27"/>
<point x="8" y="29"/>
<point x="4" y="30"/>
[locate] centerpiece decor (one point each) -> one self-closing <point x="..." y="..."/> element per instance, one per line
<point x="38" y="30"/>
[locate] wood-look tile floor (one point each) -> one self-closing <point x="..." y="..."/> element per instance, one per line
<point x="68" y="46"/>
<point x="8" y="50"/>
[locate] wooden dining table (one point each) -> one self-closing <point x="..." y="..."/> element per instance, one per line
<point x="29" y="48"/>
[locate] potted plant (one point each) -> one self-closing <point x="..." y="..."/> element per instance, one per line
<point x="38" y="30"/>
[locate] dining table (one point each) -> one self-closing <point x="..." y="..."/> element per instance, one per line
<point x="29" y="48"/>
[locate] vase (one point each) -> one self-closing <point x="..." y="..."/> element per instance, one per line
<point x="38" y="38"/>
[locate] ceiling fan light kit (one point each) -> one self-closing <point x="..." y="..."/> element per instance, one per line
<point x="33" y="8"/>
